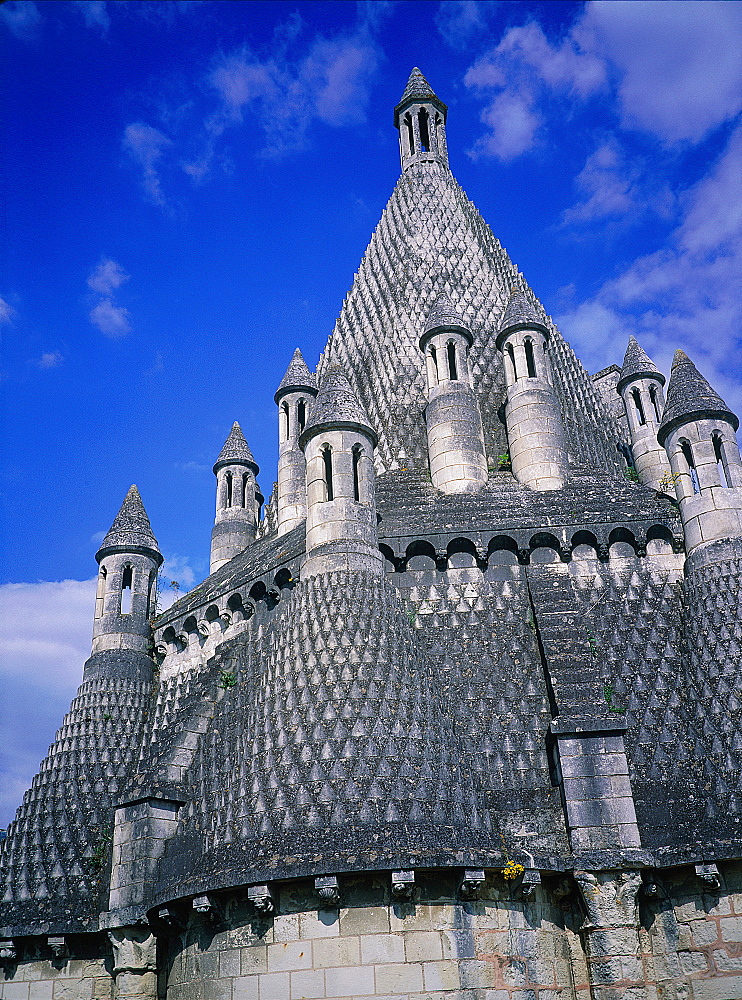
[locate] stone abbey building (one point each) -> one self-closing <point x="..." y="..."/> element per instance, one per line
<point x="458" y="718"/>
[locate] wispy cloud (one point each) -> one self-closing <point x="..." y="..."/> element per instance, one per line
<point x="6" y="312"/>
<point x="607" y="184"/>
<point x="146" y="145"/>
<point x="50" y="359"/>
<point x="107" y="277"/>
<point x="95" y="13"/>
<point x="110" y="319"/>
<point x="462" y="21"/>
<point x="684" y="295"/>
<point x="22" y="18"/>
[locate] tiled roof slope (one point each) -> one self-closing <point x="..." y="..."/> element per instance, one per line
<point x="235" y="449"/>
<point x="637" y="362"/>
<point x="690" y="397"/>
<point x="131" y="527"/>
<point x="443" y="313"/>
<point x="431" y="240"/>
<point x="296" y="376"/>
<point x="336" y="403"/>
<point x="519" y="311"/>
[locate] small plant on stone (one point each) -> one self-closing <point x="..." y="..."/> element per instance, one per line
<point x="512" y="869"/>
<point x="632" y="475"/>
<point x="503" y="462"/>
<point x="608" y="691"/>
<point x="667" y="483"/>
<point x="227" y="680"/>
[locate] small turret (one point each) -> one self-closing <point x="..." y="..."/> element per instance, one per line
<point x="698" y="433"/>
<point x="338" y="444"/>
<point x="297" y="389"/>
<point x="458" y="462"/>
<point x="640" y="387"/>
<point x="420" y="117"/>
<point x="538" y="454"/>
<point x="125" y="601"/>
<point x="238" y="499"/>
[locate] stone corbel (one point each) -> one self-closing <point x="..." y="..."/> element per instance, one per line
<point x="610" y="898"/>
<point x="403" y="885"/>
<point x="709" y="877"/>
<point x="59" y="948"/>
<point x="171" y="918"/>
<point x="8" y="953"/>
<point x="134" y="949"/>
<point x="261" y="898"/>
<point x="206" y="906"/>
<point x="328" y="890"/>
<point x="471" y="884"/>
<point x="531" y="879"/>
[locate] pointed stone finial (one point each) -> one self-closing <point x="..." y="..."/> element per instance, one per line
<point x="131" y="530"/>
<point x="637" y="364"/>
<point x="336" y="406"/>
<point x="297" y="378"/>
<point x="236" y="451"/>
<point x="690" y="397"/>
<point x="418" y="89"/>
<point x="520" y="313"/>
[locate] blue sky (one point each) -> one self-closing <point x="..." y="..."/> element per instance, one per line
<point x="187" y="190"/>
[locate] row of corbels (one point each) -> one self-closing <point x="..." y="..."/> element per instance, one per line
<point x="56" y="944"/>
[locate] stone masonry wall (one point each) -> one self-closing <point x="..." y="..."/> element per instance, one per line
<point x="37" y="977"/>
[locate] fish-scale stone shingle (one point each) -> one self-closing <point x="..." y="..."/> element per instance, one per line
<point x="690" y="397"/>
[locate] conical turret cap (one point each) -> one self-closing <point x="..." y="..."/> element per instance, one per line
<point x="690" y="397"/>
<point x="236" y="451"/>
<point x="443" y="315"/>
<point x="637" y="364"/>
<point x="336" y="407"/>
<point x="297" y="377"/>
<point x="131" y="530"/>
<point x="418" y="89"/>
<point x="519" y="314"/>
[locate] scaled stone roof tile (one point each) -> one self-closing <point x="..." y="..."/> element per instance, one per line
<point x="236" y="450"/>
<point x="636" y="364"/>
<point x="690" y="397"/>
<point x="336" y="405"/>
<point x="130" y="527"/>
<point x="418" y="89"/>
<point x="297" y="376"/>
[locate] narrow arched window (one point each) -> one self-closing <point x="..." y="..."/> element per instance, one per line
<point x="152" y="594"/>
<point x="245" y="487"/>
<point x="285" y="418"/>
<point x="100" y="594"/>
<point x="327" y="468"/>
<point x="301" y="414"/>
<point x="422" y="119"/>
<point x="688" y="456"/>
<point x="639" y="407"/>
<point x="230" y="493"/>
<point x="410" y="134"/>
<point x="434" y="356"/>
<point x="452" y="371"/>
<point x="720" y="460"/>
<point x="357" y="452"/>
<point x="511" y="355"/>
<point x="126" y="590"/>
<point x="655" y="397"/>
<point x="530" y="360"/>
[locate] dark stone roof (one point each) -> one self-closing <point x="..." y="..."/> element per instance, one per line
<point x="520" y="312"/>
<point x="131" y="529"/>
<point x="418" y="89"/>
<point x="297" y="376"/>
<point x="690" y="397"/>
<point x="637" y="364"/>
<point x="336" y="406"/>
<point x="236" y="451"/>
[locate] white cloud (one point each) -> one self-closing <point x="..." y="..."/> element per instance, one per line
<point x="6" y="312"/>
<point x="95" y="13"/>
<point x="107" y="277"/>
<point x="177" y="568"/>
<point x="513" y="125"/>
<point x="684" y="295"/>
<point x="679" y="64"/>
<point x="461" y="21"/>
<point x="22" y="18"/>
<point x="110" y="319"/>
<point x="45" y="636"/>
<point x="146" y="146"/>
<point x="608" y="186"/>
<point x="50" y="359"/>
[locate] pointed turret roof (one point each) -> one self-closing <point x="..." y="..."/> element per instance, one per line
<point x="519" y="313"/>
<point x="336" y="406"/>
<point x="297" y="377"/>
<point x="690" y="397"/>
<point x="131" y="530"/>
<point x="443" y="315"/>
<point x="637" y="364"/>
<point x="418" y="89"/>
<point x="236" y="451"/>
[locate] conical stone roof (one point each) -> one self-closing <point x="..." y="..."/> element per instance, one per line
<point x="690" y="397"/>
<point x="637" y="364"/>
<point x="297" y="377"/>
<point x="336" y="406"/>
<point x="519" y="313"/>
<point x="131" y="530"/>
<point x="236" y="451"/>
<point x="417" y="89"/>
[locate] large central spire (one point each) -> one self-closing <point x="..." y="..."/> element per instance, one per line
<point x="432" y="241"/>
